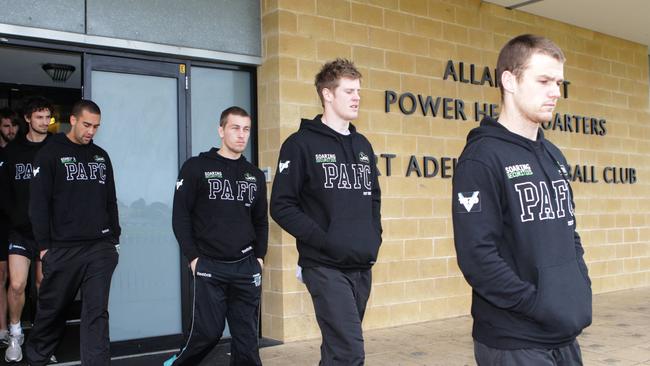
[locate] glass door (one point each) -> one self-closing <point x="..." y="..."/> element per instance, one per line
<point x="143" y="130"/>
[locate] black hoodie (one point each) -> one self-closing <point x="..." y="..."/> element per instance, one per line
<point x="516" y="241"/>
<point x="326" y="194"/>
<point x="15" y="179"/>
<point x="220" y="208"/>
<point x="72" y="195"/>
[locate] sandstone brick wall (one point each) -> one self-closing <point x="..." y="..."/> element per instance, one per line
<point x="403" y="46"/>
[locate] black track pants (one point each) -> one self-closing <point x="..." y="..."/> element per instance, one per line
<point x="65" y="271"/>
<point x="569" y="355"/>
<point x="224" y="290"/>
<point x="339" y="299"/>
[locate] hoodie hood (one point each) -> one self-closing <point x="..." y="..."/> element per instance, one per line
<point x="491" y="128"/>
<point x="213" y="153"/>
<point x="316" y="125"/>
<point x="22" y="140"/>
<point x="62" y="138"/>
<point x="541" y="148"/>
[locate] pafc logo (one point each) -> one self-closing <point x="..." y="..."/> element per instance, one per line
<point x="470" y="201"/>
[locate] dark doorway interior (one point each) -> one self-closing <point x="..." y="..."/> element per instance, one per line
<point x="24" y="74"/>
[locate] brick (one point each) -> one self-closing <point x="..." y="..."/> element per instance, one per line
<point x="384" y="39"/>
<point x="365" y="14"/>
<point x="418" y="248"/>
<point x="444" y="248"/>
<point x="338" y="9"/>
<point x="329" y="50"/>
<point x="428" y="67"/>
<point x="351" y="33"/>
<point x="418" y="126"/>
<point x="417" y="207"/>
<point x="396" y="61"/>
<point x="390" y="293"/>
<point x="404" y="313"/>
<point x="441" y="11"/>
<point x="432" y="267"/>
<point x="414" y="44"/>
<point x="301" y="6"/>
<point x="366" y="56"/>
<point x="387" y="4"/>
<point x="416" y="7"/>
<point x="419" y="290"/>
<point x="390" y="250"/>
<point x="397" y="21"/>
<point x="454" y="33"/>
<point x="297" y="92"/>
<point x="382" y="80"/>
<point x="316" y="27"/>
<point x="296" y="46"/>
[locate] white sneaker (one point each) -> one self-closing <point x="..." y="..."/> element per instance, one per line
<point x="4" y="338"/>
<point x="14" y="353"/>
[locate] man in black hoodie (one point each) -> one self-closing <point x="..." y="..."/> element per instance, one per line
<point x="8" y="132"/>
<point x="514" y="221"/>
<point x="326" y="194"/>
<point x="73" y="211"/>
<point x="15" y="180"/>
<point x="221" y="223"/>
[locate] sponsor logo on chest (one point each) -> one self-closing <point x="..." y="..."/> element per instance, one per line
<point x="325" y="158"/>
<point x="518" y="170"/>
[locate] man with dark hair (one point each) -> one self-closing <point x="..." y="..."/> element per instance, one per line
<point x="15" y="180"/>
<point x="326" y="194"/>
<point x="8" y="130"/>
<point x="514" y="221"/>
<point x="8" y="126"/>
<point x="221" y="223"/>
<point x="73" y="211"/>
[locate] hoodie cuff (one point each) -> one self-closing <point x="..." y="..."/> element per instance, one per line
<point x="191" y="254"/>
<point x="317" y="239"/>
<point x="44" y="244"/>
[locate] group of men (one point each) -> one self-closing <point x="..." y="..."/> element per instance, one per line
<point x="512" y="207"/>
<point x="58" y="195"/>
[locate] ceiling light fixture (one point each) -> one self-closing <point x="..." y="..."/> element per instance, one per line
<point x="59" y="72"/>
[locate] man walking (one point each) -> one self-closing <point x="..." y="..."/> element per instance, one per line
<point x="73" y="211"/>
<point x="514" y="221"/>
<point x="326" y="194"/>
<point x="221" y="223"/>
<point x="23" y="249"/>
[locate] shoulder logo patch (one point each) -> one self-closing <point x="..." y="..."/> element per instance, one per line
<point x="179" y="184"/>
<point x="283" y="165"/>
<point x="364" y="158"/>
<point x="471" y="201"/>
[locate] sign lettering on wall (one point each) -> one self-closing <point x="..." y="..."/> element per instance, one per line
<point x="457" y="109"/>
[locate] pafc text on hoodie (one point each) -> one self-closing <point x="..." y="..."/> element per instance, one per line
<point x="220" y="208"/>
<point x="72" y="195"/>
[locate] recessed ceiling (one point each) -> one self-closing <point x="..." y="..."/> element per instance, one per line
<point x="627" y="19"/>
<point x="24" y="66"/>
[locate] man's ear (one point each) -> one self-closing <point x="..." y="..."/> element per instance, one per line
<point x="508" y="81"/>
